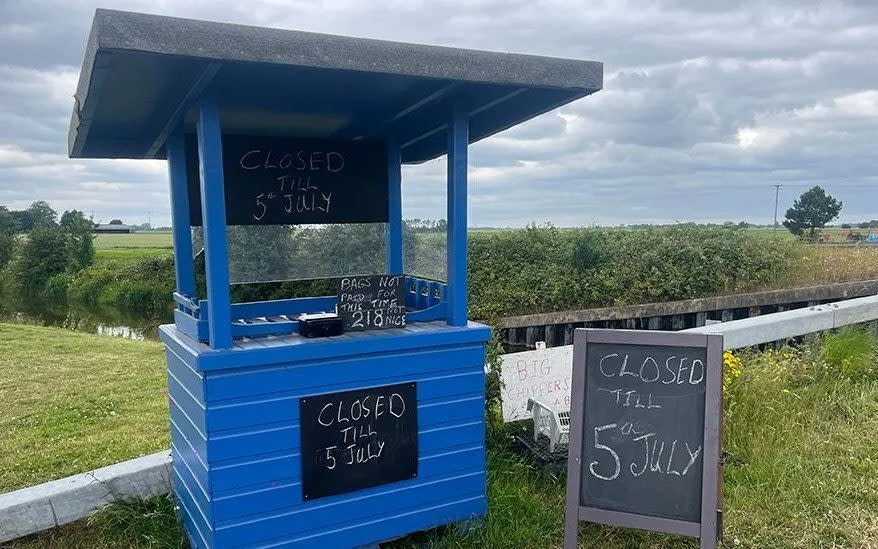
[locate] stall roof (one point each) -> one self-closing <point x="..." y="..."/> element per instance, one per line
<point x="143" y="73"/>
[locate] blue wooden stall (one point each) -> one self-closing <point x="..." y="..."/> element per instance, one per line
<point x="238" y="371"/>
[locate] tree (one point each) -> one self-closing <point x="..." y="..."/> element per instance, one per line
<point x="116" y="222"/>
<point x="80" y="235"/>
<point x="43" y="256"/>
<point x="9" y="221"/>
<point x="8" y="228"/>
<point x="812" y="211"/>
<point x="7" y="247"/>
<point x="40" y="214"/>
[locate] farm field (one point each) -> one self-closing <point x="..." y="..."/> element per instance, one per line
<point x="130" y="248"/>
<point x="165" y="240"/>
<point x="834" y="234"/>
<point x="800" y="470"/>
<point x="134" y="240"/>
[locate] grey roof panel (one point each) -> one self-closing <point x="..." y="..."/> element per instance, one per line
<point x="141" y="73"/>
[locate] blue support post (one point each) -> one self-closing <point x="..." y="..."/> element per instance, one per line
<point x="458" y="141"/>
<point x="183" y="267"/>
<point x="393" y="238"/>
<point x="213" y="213"/>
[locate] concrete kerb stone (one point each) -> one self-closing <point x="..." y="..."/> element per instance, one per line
<point x="37" y="508"/>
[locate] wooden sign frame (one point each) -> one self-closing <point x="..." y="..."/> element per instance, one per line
<point x="709" y="528"/>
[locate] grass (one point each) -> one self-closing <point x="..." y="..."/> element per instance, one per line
<point x="71" y="402"/>
<point x="147" y="524"/>
<point x="129" y="255"/>
<point x="134" y="240"/>
<point x="823" y="265"/>
<point x="802" y="470"/>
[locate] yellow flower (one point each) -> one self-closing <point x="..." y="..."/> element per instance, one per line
<point x="732" y="369"/>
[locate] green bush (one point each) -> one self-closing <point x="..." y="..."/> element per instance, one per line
<point x="590" y="249"/>
<point x="539" y="269"/>
<point x="523" y="271"/>
<point x="42" y="257"/>
<point x="145" y="286"/>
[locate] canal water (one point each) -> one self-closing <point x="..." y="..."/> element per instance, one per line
<point x="127" y="325"/>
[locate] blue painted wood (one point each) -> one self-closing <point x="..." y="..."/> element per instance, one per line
<point x="183" y="265"/>
<point x="225" y="446"/>
<point x="259" y="328"/>
<point x="201" y="529"/>
<point x="186" y="392"/>
<point x="435" y="296"/>
<point x="422" y="293"/>
<point x="294" y="306"/>
<point x="245" y="410"/>
<point x="436" y="312"/>
<point x="274" y="381"/>
<point x="440" y="455"/>
<point x="195" y="328"/>
<point x="269" y="495"/>
<point x="191" y="318"/>
<point x="301" y="522"/>
<point x="236" y="436"/>
<point x="213" y="212"/>
<point x="186" y="304"/>
<point x="458" y="139"/>
<point x="295" y="347"/>
<point x="393" y="257"/>
<point x="183" y="374"/>
<point x="416" y="299"/>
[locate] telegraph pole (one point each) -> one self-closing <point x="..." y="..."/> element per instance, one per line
<point x="776" y="194"/>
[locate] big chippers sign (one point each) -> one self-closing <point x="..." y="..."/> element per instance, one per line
<point x="543" y="375"/>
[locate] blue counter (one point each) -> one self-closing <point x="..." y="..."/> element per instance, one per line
<point x="236" y="435"/>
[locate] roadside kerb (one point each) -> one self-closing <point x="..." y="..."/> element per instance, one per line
<point x="37" y="508"/>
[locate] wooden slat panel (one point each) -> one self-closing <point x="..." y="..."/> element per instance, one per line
<point x="315" y="378"/>
<point x="287" y="494"/>
<point x="360" y="509"/>
<point x="281" y="407"/>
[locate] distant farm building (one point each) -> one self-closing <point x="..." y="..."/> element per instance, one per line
<point x="115" y="229"/>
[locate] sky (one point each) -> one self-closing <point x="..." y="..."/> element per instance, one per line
<point x="706" y="106"/>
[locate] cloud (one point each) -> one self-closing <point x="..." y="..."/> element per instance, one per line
<point x="706" y="105"/>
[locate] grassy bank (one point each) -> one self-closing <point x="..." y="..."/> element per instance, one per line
<point x="70" y="402"/>
<point x="801" y="470"/>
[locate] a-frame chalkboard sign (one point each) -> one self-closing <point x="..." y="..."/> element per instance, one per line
<point x="645" y="433"/>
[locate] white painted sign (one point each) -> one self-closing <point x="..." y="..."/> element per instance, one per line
<point x="543" y="374"/>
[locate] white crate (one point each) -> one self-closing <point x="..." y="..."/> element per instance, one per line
<point x="555" y="425"/>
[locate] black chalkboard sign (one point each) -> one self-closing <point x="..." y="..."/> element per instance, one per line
<point x="358" y="439"/>
<point x="644" y="445"/>
<point x="280" y="181"/>
<point x="375" y="302"/>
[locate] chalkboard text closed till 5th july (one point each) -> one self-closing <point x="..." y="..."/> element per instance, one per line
<point x="644" y="429"/>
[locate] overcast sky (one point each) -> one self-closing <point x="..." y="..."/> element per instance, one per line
<point x="706" y="105"/>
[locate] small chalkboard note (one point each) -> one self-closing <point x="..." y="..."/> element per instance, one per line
<point x="375" y="302"/>
<point x="644" y="432"/>
<point x="282" y="181"/>
<point x="358" y="439"/>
